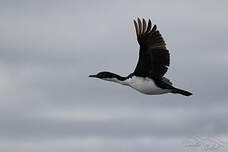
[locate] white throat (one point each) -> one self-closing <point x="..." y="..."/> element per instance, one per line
<point x="125" y="82"/>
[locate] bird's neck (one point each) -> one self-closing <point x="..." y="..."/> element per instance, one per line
<point x="117" y="79"/>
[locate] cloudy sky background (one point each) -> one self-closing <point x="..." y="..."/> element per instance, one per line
<point x="48" y="49"/>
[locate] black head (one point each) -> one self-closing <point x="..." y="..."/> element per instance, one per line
<point x="103" y="75"/>
<point x="107" y="75"/>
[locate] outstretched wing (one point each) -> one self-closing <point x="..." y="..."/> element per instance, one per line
<point x="153" y="55"/>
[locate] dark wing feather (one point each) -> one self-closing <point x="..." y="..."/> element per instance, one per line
<point x="153" y="55"/>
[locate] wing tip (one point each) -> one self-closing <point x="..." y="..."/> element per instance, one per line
<point x="141" y="26"/>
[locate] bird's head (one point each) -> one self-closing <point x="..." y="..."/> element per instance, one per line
<point x="103" y="75"/>
<point x="108" y="76"/>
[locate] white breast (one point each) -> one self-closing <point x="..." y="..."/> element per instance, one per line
<point x="145" y="85"/>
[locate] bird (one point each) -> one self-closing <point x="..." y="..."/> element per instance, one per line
<point x="154" y="59"/>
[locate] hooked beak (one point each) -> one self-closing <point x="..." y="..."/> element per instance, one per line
<point x="93" y="76"/>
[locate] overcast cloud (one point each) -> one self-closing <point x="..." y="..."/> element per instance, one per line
<point x="48" y="49"/>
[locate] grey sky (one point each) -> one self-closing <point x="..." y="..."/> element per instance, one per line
<point x="48" y="49"/>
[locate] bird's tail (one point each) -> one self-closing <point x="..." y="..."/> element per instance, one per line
<point x="179" y="91"/>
